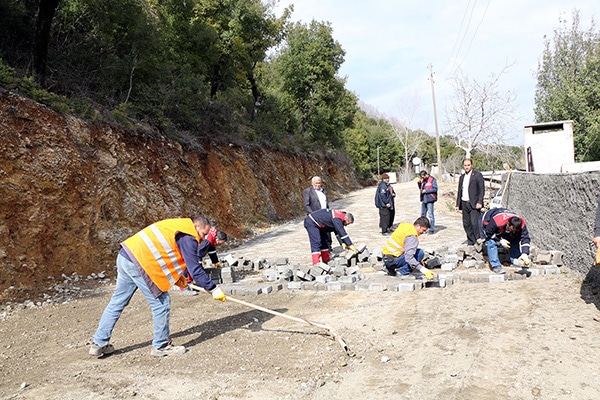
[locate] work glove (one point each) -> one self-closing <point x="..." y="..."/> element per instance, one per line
<point x="352" y="248"/>
<point x="218" y="294"/>
<point x="427" y="273"/>
<point x="217" y="265"/>
<point x="505" y="243"/>
<point x="525" y="258"/>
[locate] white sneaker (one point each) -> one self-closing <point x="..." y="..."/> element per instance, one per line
<point x="168" y="350"/>
<point x="98" y="351"/>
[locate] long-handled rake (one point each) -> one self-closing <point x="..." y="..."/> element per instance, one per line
<point x="329" y="329"/>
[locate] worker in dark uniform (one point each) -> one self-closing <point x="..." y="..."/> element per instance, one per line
<point x="499" y="226"/>
<point x="319" y="224"/>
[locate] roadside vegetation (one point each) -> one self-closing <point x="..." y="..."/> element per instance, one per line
<point x="234" y="71"/>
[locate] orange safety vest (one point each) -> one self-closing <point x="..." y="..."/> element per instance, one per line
<point x="395" y="244"/>
<point x="156" y="251"/>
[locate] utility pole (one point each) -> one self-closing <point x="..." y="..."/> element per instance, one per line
<point x="378" y="172"/>
<point x="437" y="135"/>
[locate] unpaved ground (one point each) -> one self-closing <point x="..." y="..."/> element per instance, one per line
<point x="528" y="339"/>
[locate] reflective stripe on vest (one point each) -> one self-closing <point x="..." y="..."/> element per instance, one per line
<point x="155" y="250"/>
<point x="395" y="244"/>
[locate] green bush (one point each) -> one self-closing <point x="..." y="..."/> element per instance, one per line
<point x="7" y="75"/>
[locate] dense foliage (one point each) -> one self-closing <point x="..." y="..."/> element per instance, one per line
<point x="219" y="69"/>
<point x="568" y="85"/>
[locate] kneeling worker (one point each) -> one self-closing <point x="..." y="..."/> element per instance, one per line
<point x="401" y="253"/>
<point x="499" y="226"/>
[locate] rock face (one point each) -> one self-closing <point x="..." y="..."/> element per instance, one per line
<point x="71" y="191"/>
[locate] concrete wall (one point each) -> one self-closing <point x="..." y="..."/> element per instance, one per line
<point x="559" y="210"/>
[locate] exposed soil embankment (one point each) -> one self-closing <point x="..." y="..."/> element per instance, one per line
<point x="70" y="191"/>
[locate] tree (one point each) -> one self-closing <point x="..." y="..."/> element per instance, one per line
<point x="308" y="65"/>
<point x="479" y="112"/>
<point x="568" y="82"/>
<point x="47" y="9"/>
<point x="410" y="139"/>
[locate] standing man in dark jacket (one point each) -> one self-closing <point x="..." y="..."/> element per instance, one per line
<point x="502" y="227"/>
<point x="428" y="190"/>
<point x="385" y="203"/>
<point x="320" y="224"/>
<point x="315" y="197"/>
<point x="469" y="199"/>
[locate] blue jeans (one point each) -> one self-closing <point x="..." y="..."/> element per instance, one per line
<point x="129" y="280"/>
<point x="427" y="208"/>
<point x="401" y="265"/>
<point x="492" y="251"/>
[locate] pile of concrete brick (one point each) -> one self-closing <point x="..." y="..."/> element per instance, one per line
<point x="361" y="271"/>
<point x="475" y="257"/>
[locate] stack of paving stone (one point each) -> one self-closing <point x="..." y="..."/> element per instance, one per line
<point x="464" y="264"/>
<point x="475" y="257"/>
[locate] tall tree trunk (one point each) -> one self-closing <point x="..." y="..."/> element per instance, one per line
<point x="46" y="13"/>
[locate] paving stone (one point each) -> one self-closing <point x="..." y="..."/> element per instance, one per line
<point x="325" y="267"/>
<point x="304" y="276"/>
<point x="266" y="289"/>
<point x="294" y="285"/>
<point x="316" y="270"/>
<point x="352" y="270"/>
<point x="270" y="275"/>
<point x="333" y="286"/>
<point x="448" y="266"/>
<point x="543" y="257"/>
<point x="451" y="258"/>
<point x="309" y="285"/>
<point x="347" y="279"/>
<point x="470" y="263"/>
<point x="557" y="257"/>
<point x="440" y="283"/>
<point x="283" y="269"/>
<point x="282" y="261"/>
<point x="339" y="270"/>
<point x="406" y="286"/>
<point x="551" y="269"/>
<point x="323" y="278"/>
<point x="536" y="271"/>
<point x="230" y="260"/>
<point x="448" y="279"/>
<point x="493" y="278"/>
<point x="376" y="287"/>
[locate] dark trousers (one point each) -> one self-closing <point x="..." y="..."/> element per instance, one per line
<point x="470" y="217"/>
<point x="384" y="219"/>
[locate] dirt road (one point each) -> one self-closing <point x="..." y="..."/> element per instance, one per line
<point x="527" y="339"/>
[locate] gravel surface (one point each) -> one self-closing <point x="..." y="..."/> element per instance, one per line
<point x="527" y="339"/>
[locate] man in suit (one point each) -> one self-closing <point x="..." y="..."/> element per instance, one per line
<point x="469" y="199"/>
<point x="315" y="197"/>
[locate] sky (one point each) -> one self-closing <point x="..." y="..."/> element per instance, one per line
<point x="390" y="45"/>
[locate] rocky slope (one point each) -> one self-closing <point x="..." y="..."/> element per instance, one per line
<point x="70" y="191"/>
